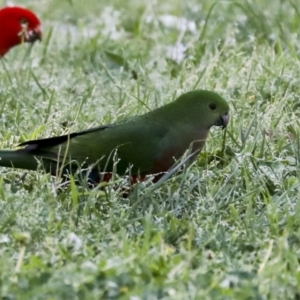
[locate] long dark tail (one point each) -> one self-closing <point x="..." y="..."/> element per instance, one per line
<point x="24" y="159"/>
<point x="18" y="159"/>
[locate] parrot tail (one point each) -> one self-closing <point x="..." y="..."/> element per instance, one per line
<point x="24" y="159"/>
<point x="18" y="159"/>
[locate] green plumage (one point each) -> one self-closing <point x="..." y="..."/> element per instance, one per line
<point x="149" y="143"/>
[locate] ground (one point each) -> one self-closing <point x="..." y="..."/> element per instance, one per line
<point x="225" y="228"/>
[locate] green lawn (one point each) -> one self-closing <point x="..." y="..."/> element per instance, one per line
<point x="225" y="228"/>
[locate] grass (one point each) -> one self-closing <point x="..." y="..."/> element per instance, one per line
<point x="228" y="226"/>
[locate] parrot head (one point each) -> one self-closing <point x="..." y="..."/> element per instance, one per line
<point x="18" y="25"/>
<point x="208" y="108"/>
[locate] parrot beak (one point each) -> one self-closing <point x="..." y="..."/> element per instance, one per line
<point x="223" y="121"/>
<point x="30" y="35"/>
<point x="34" y="35"/>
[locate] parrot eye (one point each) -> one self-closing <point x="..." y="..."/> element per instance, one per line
<point x="212" y="106"/>
<point x="24" y="22"/>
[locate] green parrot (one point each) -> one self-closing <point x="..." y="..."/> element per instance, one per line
<point x="145" y="145"/>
